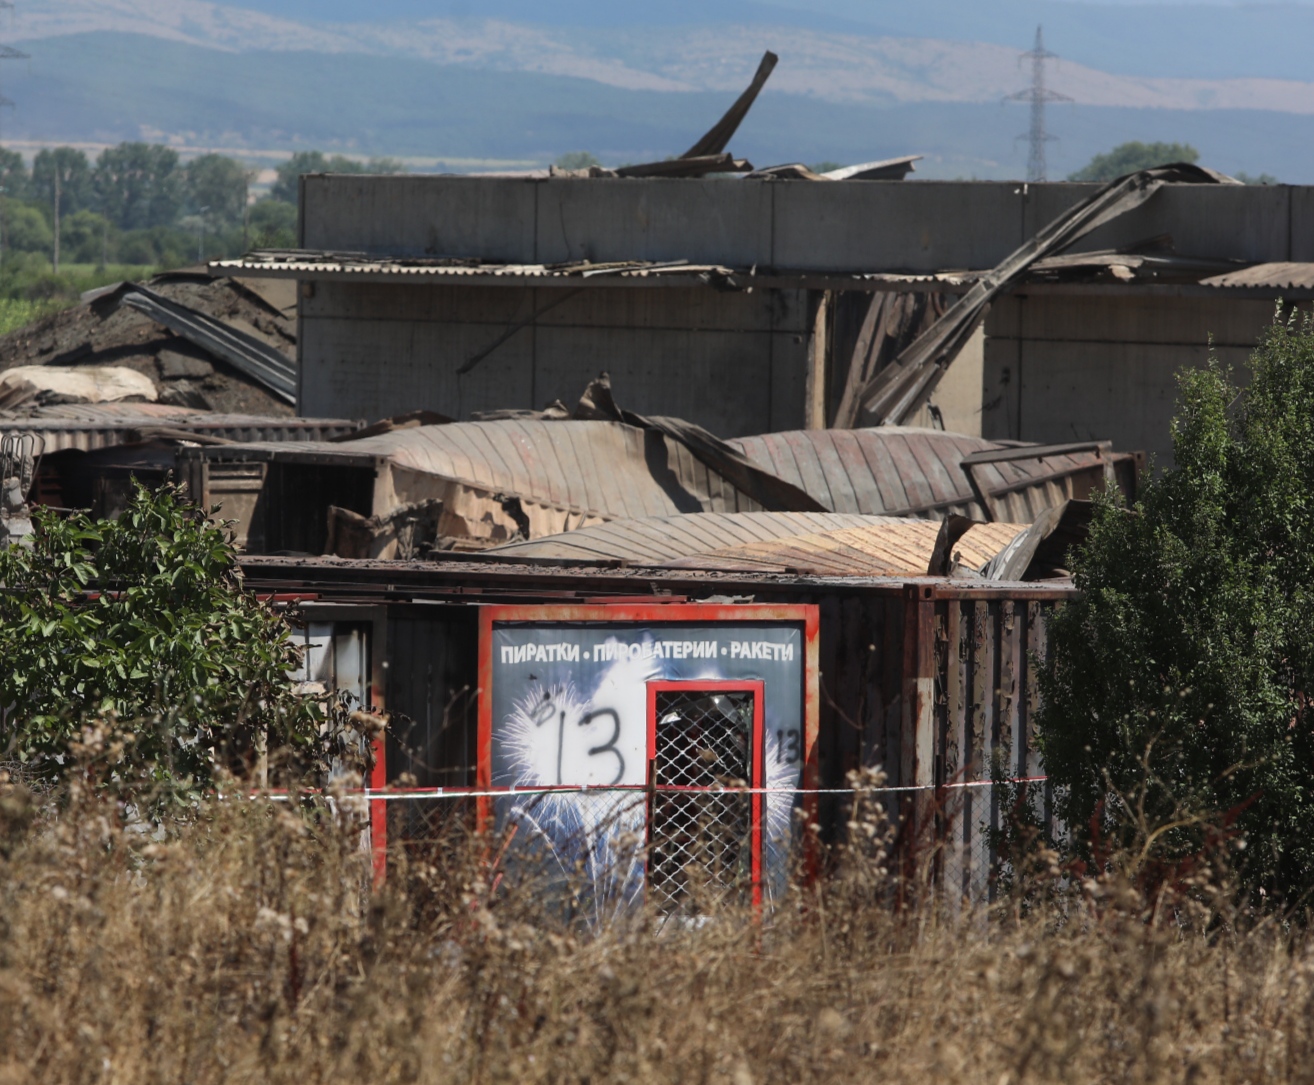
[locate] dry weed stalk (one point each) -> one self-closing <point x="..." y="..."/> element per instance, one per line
<point x="248" y="945"/>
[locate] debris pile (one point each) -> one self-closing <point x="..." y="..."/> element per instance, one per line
<point x="225" y="345"/>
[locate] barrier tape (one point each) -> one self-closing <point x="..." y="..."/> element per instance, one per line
<point x="404" y="794"/>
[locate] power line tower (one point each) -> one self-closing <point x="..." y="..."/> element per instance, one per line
<point x="1037" y="94"/>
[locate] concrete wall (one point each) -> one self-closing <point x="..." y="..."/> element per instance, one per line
<point x="843" y="225"/>
<point x="958" y="395"/>
<point x="1052" y="368"/>
<point x="1077" y="367"/>
<point x="733" y="362"/>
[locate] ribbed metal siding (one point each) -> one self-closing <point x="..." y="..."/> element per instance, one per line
<point x="986" y="700"/>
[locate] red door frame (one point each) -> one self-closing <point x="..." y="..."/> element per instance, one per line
<point x="756" y="770"/>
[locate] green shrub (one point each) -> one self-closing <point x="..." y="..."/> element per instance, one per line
<point x="273" y="224"/>
<point x="1130" y="157"/>
<point x="1179" y="687"/>
<point x="25" y="228"/>
<point x="135" y="637"/>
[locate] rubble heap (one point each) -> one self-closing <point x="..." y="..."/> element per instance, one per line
<point x="100" y="332"/>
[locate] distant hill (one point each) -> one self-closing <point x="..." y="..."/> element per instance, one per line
<point x="1205" y="39"/>
<point x="934" y="50"/>
<point x="101" y="88"/>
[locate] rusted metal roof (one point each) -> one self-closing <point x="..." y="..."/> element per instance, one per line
<point x="818" y="544"/>
<point x="1278" y="276"/>
<point x="892" y="471"/>
<point x="981" y="542"/>
<point x="881" y="547"/>
<point x="612" y="470"/>
<point x="475" y="578"/>
<point x="655" y="540"/>
<point x="89" y="426"/>
<point x="903" y="471"/>
<point x="1017" y="483"/>
<point x="604" y="469"/>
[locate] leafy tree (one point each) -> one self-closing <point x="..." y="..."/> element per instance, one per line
<point x="24" y="228"/>
<point x="137" y="632"/>
<point x="219" y="183"/>
<point x="74" y="172"/>
<point x="162" y="246"/>
<point x="15" y="181"/>
<point x="84" y="237"/>
<point x="273" y="224"/>
<point x="138" y="185"/>
<point x="1130" y="157"/>
<point x="286" y="189"/>
<point x="385" y="165"/>
<point x="577" y="160"/>
<point x="1252" y="179"/>
<point x="1180" y="685"/>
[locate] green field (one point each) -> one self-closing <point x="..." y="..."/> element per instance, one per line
<point x="18" y="308"/>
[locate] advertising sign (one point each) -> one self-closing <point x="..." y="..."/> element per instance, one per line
<point x="685" y="700"/>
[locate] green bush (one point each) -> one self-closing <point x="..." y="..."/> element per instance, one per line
<point x="273" y="224"/>
<point x="1130" y="157"/>
<point x="85" y="237"/>
<point x="25" y="228"/>
<point x="137" y="633"/>
<point x="18" y="313"/>
<point x="1179" y="688"/>
<point x="287" y="188"/>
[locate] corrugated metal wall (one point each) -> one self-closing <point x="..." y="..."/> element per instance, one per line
<point x="936" y="686"/>
<point x="987" y="653"/>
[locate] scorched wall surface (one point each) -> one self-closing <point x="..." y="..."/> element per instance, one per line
<point x="733" y="362"/>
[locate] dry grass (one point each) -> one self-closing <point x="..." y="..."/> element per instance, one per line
<point x="249" y="947"/>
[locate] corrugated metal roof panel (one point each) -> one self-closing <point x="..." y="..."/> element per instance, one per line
<point x="885" y="471"/>
<point x="981" y="542"/>
<point x="1277" y="276"/>
<point x="880" y="547"/>
<point x="604" y="469"/>
<point x="654" y="540"/>
<point x="89" y="426"/>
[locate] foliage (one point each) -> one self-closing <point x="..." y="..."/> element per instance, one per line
<point x="273" y="224"/>
<point x="15" y="182"/>
<point x="18" y="313"/>
<point x="1130" y="157"/>
<point x="1178" y="687"/>
<point x="138" y="628"/>
<point x="24" y="228"/>
<point x="218" y="184"/>
<point x="74" y="173"/>
<point x="1253" y="179"/>
<point x="84" y="237"/>
<point x="138" y="185"/>
<point x="577" y="160"/>
<point x="287" y="190"/>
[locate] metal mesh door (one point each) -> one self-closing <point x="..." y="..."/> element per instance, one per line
<point x="700" y="835"/>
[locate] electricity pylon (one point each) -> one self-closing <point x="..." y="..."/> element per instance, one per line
<point x="1037" y="94"/>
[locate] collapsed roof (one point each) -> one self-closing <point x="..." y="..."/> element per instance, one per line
<point x="410" y="490"/>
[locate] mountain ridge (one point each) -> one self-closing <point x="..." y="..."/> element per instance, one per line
<point x="880" y="69"/>
<point x="97" y="89"/>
